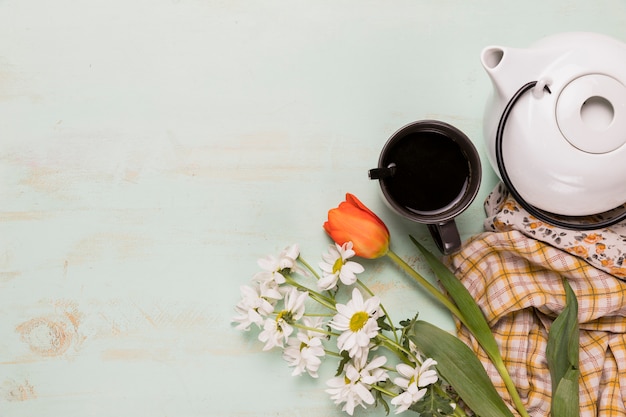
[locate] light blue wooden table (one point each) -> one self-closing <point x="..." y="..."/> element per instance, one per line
<point x="151" y="151"/>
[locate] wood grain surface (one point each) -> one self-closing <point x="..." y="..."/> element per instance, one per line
<point x="151" y="151"/>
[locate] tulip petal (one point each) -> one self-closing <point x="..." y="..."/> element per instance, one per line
<point x="353" y="222"/>
<point x="350" y="198"/>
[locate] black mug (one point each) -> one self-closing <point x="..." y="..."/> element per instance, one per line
<point x="430" y="172"/>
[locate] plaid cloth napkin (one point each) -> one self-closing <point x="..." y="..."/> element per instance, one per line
<point x="516" y="279"/>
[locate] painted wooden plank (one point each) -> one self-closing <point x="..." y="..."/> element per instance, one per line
<point x="151" y="151"/>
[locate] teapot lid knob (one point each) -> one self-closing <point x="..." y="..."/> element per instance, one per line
<point x="591" y="113"/>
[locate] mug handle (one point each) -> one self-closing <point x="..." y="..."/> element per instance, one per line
<point x="446" y="236"/>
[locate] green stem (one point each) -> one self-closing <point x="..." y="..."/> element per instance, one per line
<point x="459" y="412"/>
<point x="307" y="266"/>
<point x="325" y="301"/>
<point x="314" y="329"/>
<point x="426" y="284"/>
<point x="396" y="348"/>
<point x="384" y="391"/>
<point x="493" y="354"/>
<point x="510" y="385"/>
<point x="318" y="315"/>
<point x="332" y="353"/>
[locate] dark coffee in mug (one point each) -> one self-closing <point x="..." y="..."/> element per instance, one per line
<point x="431" y="172"/>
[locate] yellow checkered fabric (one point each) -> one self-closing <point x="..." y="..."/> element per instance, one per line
<point x="516" y="280"/>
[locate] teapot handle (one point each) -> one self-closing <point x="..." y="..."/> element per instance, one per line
<point x="566" y="222"/>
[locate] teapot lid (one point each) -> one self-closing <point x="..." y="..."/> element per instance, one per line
<point x="591" y="113"/>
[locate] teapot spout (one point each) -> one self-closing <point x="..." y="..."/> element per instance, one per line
<point x="491" y="57"/>
<point x="511" y="68"/>
<point x="503" y="72"/>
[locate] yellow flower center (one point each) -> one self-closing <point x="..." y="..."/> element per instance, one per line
<point x="337" y="265"/>
<point x="358" y="320"/>
<point x="284" y="315"/>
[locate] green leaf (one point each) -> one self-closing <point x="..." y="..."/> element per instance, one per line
<point x="433" y="404"/>
<point x="382" y="323"/>
<point x="460" y="367"/>
<point x="562" y="356"/>
<point x="380" y="400"/>
<point x="345" y="358"/>
<point x="565" y="401"/>
<point x="472" y="317"/>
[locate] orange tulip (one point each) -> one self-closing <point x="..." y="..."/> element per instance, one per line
<point x="353" y="222"/>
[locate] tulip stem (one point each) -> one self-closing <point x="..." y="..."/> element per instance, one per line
<point x="426" y="284"/>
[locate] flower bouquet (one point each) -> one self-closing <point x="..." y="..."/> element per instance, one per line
<point x="413" y="365"/>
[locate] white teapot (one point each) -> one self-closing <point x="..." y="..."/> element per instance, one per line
<point x="555" y="127"/>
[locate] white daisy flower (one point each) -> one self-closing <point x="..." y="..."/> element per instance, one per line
<point x="357" y="321"/>
<point x="364" y="352"/>
<point x="304" y="351"/>
<point x="372" y="373"/>
<point x="277" y="331"/>
<point x="294" y="304"/>
<point x="252" y="308"/>
<point x="414" y="381"/>
<point x="336" y="266"/>
<point x="353" y="388"/>
<point x="274" y="267"/>
<point x="268" y="286"/>
<point x="274" y="333"/>
<point x="274" y="271"/>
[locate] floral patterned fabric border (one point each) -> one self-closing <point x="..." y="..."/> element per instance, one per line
<point x="602" y="248"/>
